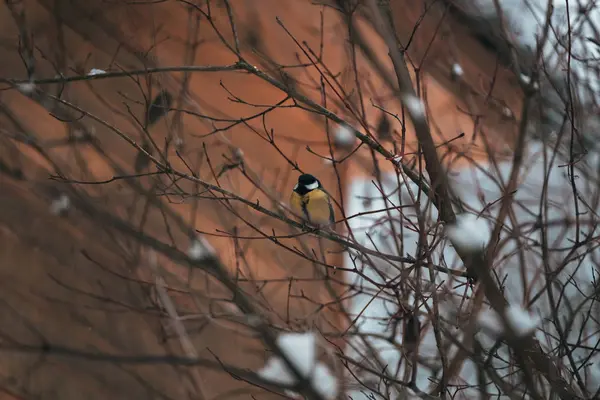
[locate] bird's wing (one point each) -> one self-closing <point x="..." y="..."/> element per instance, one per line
<point x="331" y="213"/>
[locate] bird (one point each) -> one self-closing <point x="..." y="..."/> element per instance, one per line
<point x="312" y="202"/>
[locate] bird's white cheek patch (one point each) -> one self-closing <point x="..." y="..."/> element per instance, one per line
<point x="312" y="186"/>
<point x="296" y="187"/>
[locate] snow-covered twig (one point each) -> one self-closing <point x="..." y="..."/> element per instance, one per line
<point x="457" y="71"/>
<point x="300" y="350"/>
<point x="344" y="137"/>
<point x="60" y="205"/>
<point x="520" y="322"/>
<point x="469" y="233"/>
<point x="96" y="71"/>
<point x="200" y="249"/>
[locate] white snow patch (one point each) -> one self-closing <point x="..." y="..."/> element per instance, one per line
<point x="300" y="350"/>
<point x="344" y="136"/>
<point x="60" y="204"/>
<point x="200" y="249"/>
<point x="457" y="70"/>
<point x="96" y="71"/>
<point x="507" y="112"/>
<point x="415" y="106"/>
<point x="238" y="154"/>
<point x="521" y="321"/>
<point x="276" y="371"/>
<point x="526" y="80"/>
<point x="26" y="88"/>
<point x="489" y="321"/>
<point x="469" y="233"/>
<point x="324" y="382"/>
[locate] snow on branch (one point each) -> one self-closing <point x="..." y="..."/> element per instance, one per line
<point x="300" y="351"/>
<point x="520" y="321"/>
<point x="469" y="233"/>
<point x="415" y="106"/>
<point x="200" y="249"/>
<point x="96" y="71"/>
<point x="344" y="137"/>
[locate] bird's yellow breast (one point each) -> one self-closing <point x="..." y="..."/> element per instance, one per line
<point x="313" y="206"/>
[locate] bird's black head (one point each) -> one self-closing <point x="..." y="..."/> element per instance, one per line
<point x="306" y="183"/>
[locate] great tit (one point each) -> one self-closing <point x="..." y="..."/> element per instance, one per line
<point x="311" y="201"/>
